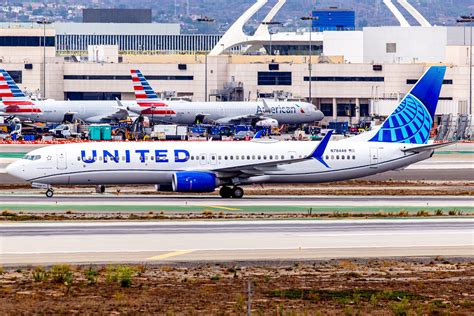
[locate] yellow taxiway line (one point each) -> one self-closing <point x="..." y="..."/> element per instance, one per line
<point x="170" y="254"/>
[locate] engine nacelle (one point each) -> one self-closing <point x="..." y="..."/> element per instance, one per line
<point x="267" y="123"/>
<point x="194" y="181"/>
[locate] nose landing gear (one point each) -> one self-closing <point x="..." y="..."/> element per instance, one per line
<point x="235" y="192"/>
<point x="49" y="193"/>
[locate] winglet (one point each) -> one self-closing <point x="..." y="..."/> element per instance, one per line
<point x="259" y="134"/>
<point x="319" y="151"/>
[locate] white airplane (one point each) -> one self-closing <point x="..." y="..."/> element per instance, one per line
<point x="205" y="166"/>
<point x="261" y="113"/>
<point x="16" y="103"/>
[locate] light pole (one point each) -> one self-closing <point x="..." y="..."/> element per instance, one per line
<point x="205" y="19"/>
<point x="44" y="22"/>
<point x="310" y="18"/>
<point x="469" y="19"/>
<point x="269" y="31"/>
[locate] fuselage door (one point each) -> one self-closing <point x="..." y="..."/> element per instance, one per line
<point x="61" y="159"/>
<point x="374" y="157"/>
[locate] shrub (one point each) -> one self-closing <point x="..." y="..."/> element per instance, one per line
<point x="91" y="275"/>
<point x="439" y="212"/>
<point x="121" y="274"/>
<point x="61" y="273"/>
<point x="40" y="275"/>
<point x="216" y="277"/>
<point x="400" y="308"/>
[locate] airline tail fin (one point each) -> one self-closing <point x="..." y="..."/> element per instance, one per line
<point x="143" y="91"/>
<point x="10" y="93"/>
<point x="412" y="120"/>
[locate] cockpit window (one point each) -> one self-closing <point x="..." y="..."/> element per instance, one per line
<point x="32" y="157"/>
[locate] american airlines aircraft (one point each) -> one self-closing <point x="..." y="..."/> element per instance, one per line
<point x="16" y="103"/>
<point x="263" y="113"/>
<point x="205" y="166"/>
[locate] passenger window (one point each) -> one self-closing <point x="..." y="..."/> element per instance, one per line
<point x="231" y="157"/>
<point x="100" y="159"/>
<point x="337" y="157"/>
<point x="213" y="157"/>
<point x="253" y="157"/>
<point x="78" y="158"/>
<point x="265" y="157"/>
<point x="348" y="157"/>
<point x="197" y="157"/>
<point x="259" y="157"/>
<point x="282" y="157"/>
<point x="225" y="157"/>
<point x="327" y="157"/>
<point x="292" y="157"/>
<point x="342" y="157"/>
<point x="354" y="157"/>
<point x="192" y="157"/>
<point x="220" y="158"/>
<point x="243" y="157"/>
<point x="248" y="157"/>
<point x="271" y="157"/>
<point x="332" y="157"/>
<point x="123" y="158"/>
<point x="203" y="157"/>
<point x="236" y="157"/>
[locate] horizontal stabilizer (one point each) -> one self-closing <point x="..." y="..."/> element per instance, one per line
<point x="422" y="148"/>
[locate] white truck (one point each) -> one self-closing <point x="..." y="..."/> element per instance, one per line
<point x="169" y="132"/>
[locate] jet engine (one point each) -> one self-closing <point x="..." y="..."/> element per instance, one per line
<point x="194" y="181"/>
<point x="267" y="123"/>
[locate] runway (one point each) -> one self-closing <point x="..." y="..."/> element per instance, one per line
<point x="102" y="203"/>
<point x="191" y="241"/>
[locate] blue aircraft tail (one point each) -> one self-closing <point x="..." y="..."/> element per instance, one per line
<point x="412" y="120"/>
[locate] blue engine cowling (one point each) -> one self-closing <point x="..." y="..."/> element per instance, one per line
<point x="194" y="181"/>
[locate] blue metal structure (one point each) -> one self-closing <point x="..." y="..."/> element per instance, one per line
<point x="334" y="19"/>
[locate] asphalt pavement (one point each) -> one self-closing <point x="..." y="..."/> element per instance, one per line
<point x="191" y="241"/>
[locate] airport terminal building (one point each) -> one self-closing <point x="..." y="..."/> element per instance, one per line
<point x="352" y="75"/>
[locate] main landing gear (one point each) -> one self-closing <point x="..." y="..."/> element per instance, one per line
<point x="235" y="192"/>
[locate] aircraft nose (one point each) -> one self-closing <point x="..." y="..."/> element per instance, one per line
<point x="16" y="169"/>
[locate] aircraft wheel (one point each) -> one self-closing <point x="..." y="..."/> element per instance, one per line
<point x="100" y="189"/>
<point x="225" y="192"/>
<point x="237" y="192"/>
<point x="49" y="193"/>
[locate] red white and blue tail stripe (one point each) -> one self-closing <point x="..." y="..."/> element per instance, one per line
<point x="15" y="101"/>
<point x="146" y="96"/>
<point x="10" y="93"/>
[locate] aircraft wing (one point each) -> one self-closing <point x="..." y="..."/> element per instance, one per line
<point x="120" y="114"/>
<point x="262" y="167"/>
<point x="422" y="148"/>
<point x="250" y="119"/>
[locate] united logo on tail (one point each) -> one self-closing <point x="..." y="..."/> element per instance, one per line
<point x="146" y="97"/>
<point x="412" y="120"/>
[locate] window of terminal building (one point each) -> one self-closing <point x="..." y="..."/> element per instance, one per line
<point x="345" y="79"/>
<point x="364" y="110"/>
<point x="26" y="41"/>
<point x="445" y="81"/>
<point x="92" y="95"/>
<point x="326" y="108"/>
<point x="391" y="47"/>
<point x="282" y="78"/>
<point x="17" y="75"/>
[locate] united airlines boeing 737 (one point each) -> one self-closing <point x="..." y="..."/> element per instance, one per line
<point x="263" y="113"/>
<point x="205" y="166"/>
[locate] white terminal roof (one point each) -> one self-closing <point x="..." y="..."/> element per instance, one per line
<point x="118" y="28"/>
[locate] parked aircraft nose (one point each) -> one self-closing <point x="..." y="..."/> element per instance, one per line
<point x="318" y="115"/>
<point x="16" y="169"/>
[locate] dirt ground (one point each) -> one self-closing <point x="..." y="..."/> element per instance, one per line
<point x="428" y="286"/>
